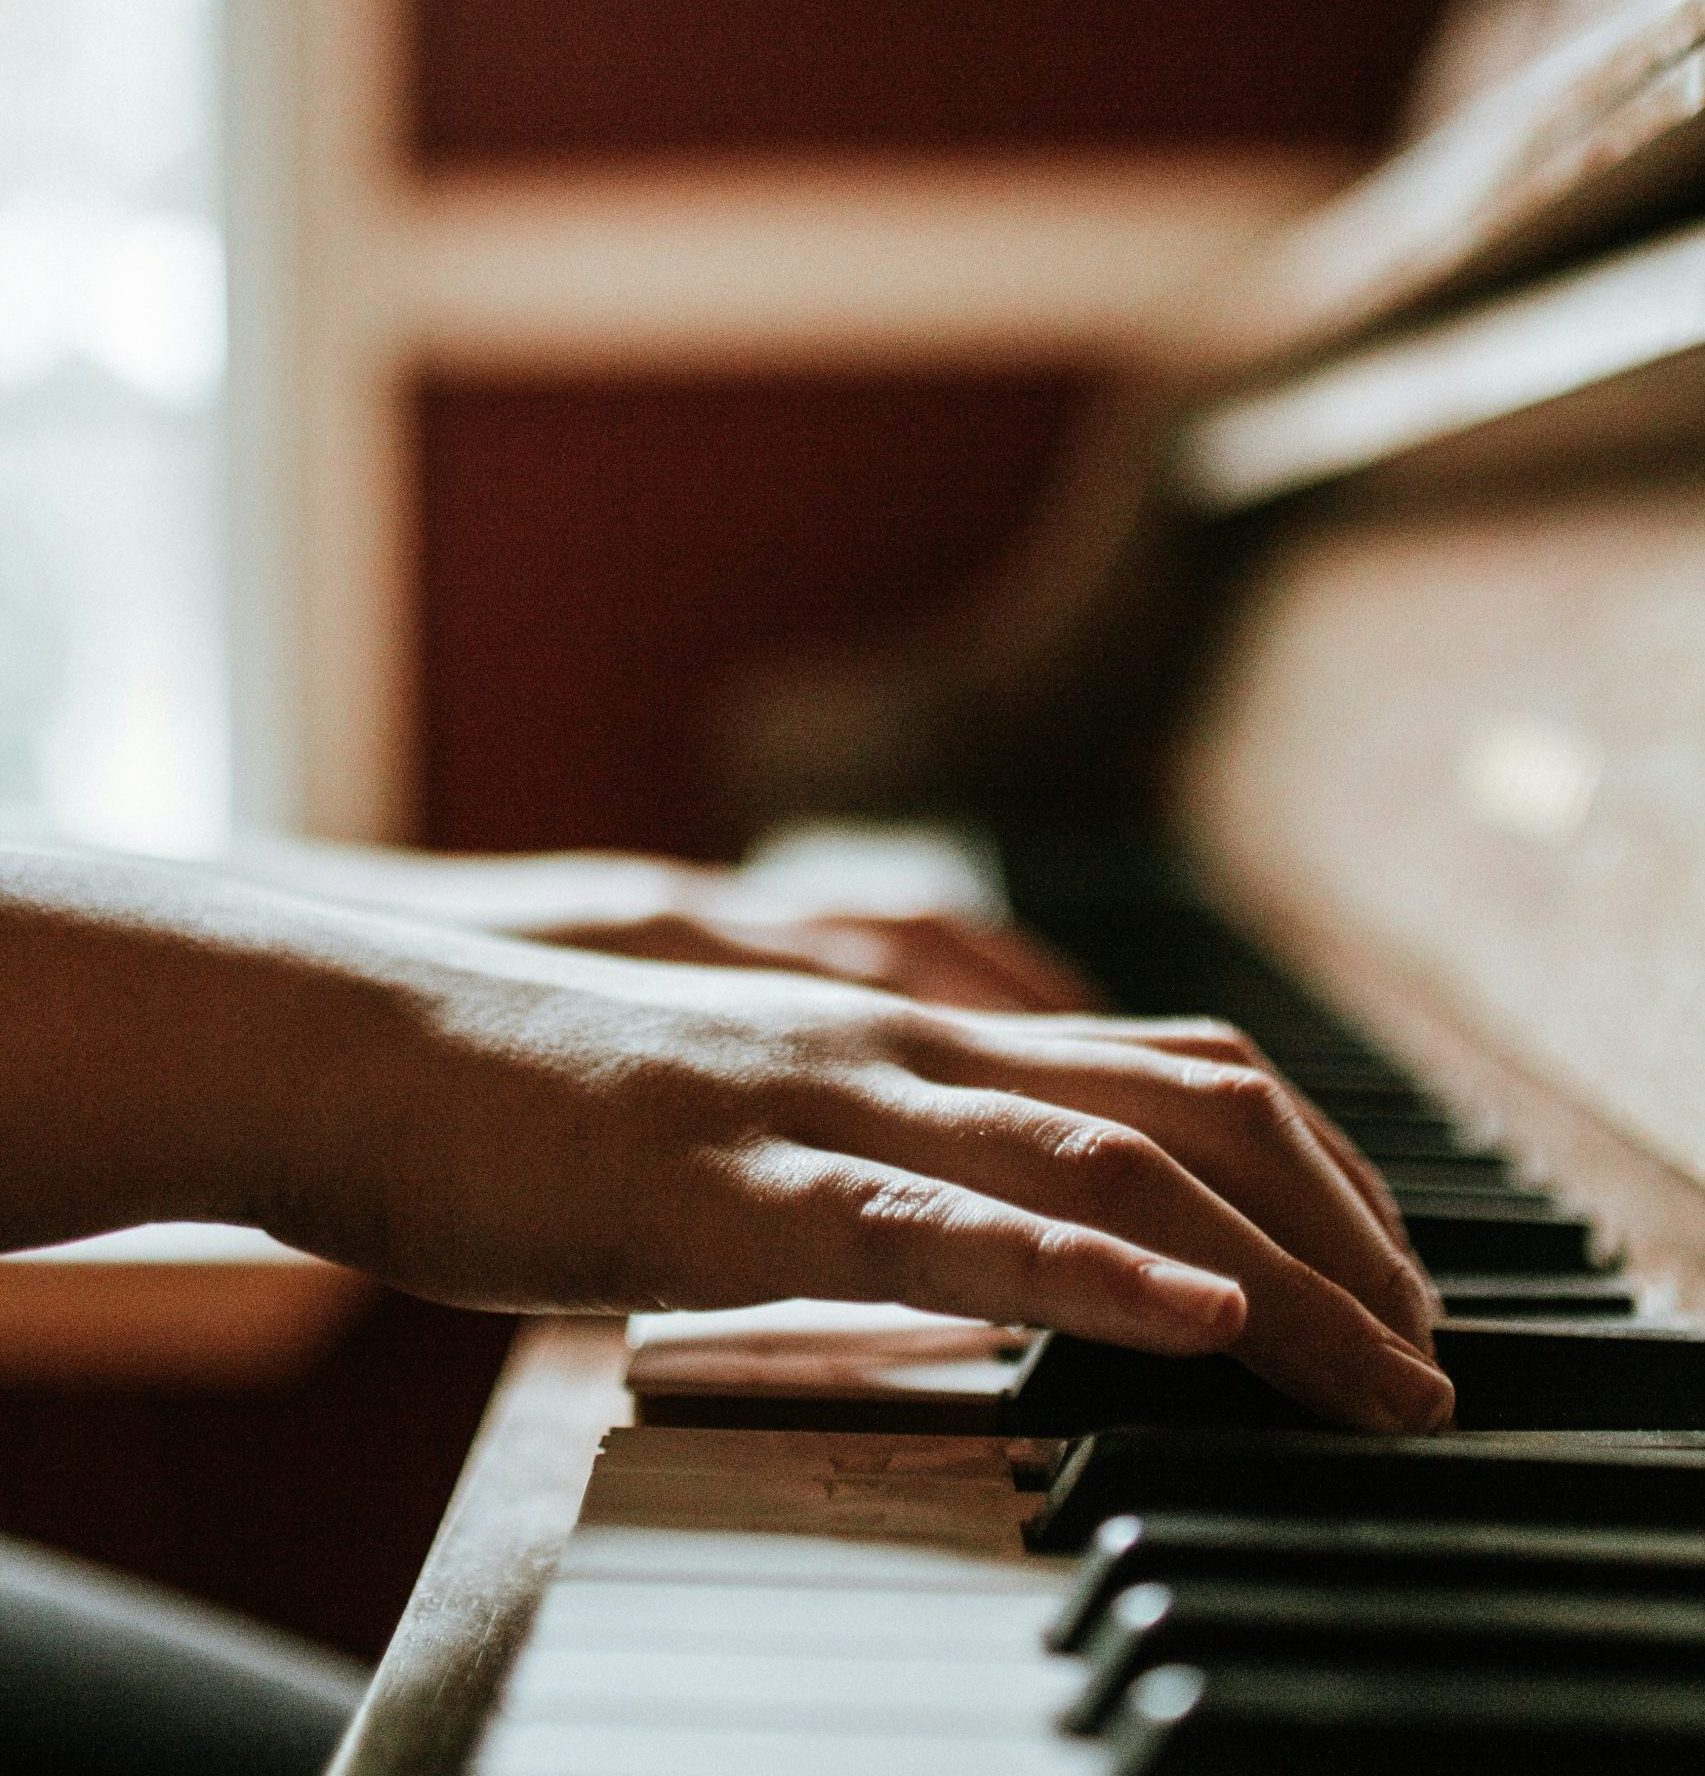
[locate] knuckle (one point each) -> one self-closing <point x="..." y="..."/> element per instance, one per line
<point x="1290" y="1278"/>
<point x="668" y="932"/>
<point x="888" y="1216"/>
<point x="929" y="924"/>
<point x="1214" y="1032"/>
<point x="1039" y="1255"/>
<point x="1105" y="1167"/>
<point x="1232" y="1040"/>
<point x="1096" y="1152"/>
<point x="1405" y="1302"/>
<point x="926" y="1038"/>
<point x="1258" y="1098"/>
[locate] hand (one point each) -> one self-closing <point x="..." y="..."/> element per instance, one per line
<point x="939" y="958"/>
<point x="592" y="1133"/>
<point x="667" y="911"/>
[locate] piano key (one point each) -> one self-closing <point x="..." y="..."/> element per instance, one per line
<point x="767" y="1618"/>
<point x="1567" y="1375"/>
<point x="1275" y="1719"/>
<point x="755" y="1556"/>
<point x="656" y="1748"/>
<point x="1170" y="1546"/>
<point x="1341" y="1626"/>
<point x="1523" y="1374"/>
<point x="1503" y="1240"/>
<point x="1408" y="1137"/>
<point x="1465" y="1171"/>
<point x="1496" y="1201"/>
<point x="1344" y="1103"/>
<point x="1594" y="1481"/>
<point x="1350" y="1076"/>
<point x="1550" y="1297"/>
<point x="1067" y="1387"/>
<point x="828" y="1455"/>
<point x="729" y="1687"/>
<point x="1119" y="1554"/>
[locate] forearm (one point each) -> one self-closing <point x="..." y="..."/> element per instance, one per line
<point x="549" y="892"/>
<point x="172" y="1046"/>
<point x="506" y="1125"/>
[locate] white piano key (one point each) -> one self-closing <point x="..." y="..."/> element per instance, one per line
<point x="683" y="1451"/>
<point x="666" y="1615"/>
<point x="739" y="1689"/>
<point x="732" y="1558"/>
<point x="984" y="1520"/>
<point x="516" y="1748"/>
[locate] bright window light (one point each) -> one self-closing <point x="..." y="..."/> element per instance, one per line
<point x="114" y="721"/>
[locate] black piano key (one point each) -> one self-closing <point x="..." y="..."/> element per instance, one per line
<point x="1565" y="1376"/>
<point x="1273" y="1719"/>
<point x="1338" y="1625"/>
<point x="1464" y="1171"/>
<point x="1385" y="1138"/>
<point x="1542" y="1375"/>
<point x="1167" y="1547"/>
<point x="1548" y="1297"/>
<point x="1495" y="1201"/>
<point x="1344" y="1077"/>
<point x="1120" y="1554"/>
<point x="1130" y="1637"/>
<point x="1066" y="1387"/>
<point x="1519" y="1239"/>
<point x="1345" y="1103"/>
<point x="1647" y="1482"/>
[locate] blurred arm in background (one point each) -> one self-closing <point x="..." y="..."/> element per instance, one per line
<point x="987" y="704"/>
<point x="661" y="910"/>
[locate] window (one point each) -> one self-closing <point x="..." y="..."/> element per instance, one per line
<point x="114" y="719"/>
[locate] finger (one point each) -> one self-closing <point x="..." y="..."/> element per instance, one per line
<point x="1042" y="981"/>
<point x="1239" y="1131"/>
<point x="1303" y="1333"/>
<point x="869" y="1232"/>
<point x="1209" y="1039"/>
<point x="933" y="958"/>
<point x="706" y="943"/>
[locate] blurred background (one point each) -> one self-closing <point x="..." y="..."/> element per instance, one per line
<point x="556" y="423"/>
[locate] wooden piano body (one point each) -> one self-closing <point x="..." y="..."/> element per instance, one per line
<point x="1447" y="764"/>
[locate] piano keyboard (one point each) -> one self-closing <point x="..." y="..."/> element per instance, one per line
<point x="794" y="1604"/>
<point x="1162" y="1567"/>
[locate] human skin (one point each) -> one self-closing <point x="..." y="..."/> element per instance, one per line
<point x="664" y="910"/>
<point x="510" y="1125"/>
<point x="668" y="911"/>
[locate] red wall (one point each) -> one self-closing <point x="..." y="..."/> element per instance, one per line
<point x="595" y="560"/>
<point x="599" y="77"/>
<point x="593" y="557"/>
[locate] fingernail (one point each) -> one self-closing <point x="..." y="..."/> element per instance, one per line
<point x="1414" y="1396"/>
<point x="1209" y="1304"/>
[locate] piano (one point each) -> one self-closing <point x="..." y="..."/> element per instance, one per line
<point x="1435" y="837"/>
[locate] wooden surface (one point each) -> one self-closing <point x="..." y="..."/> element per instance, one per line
<point x="499" y="1542"/>
<point x="740" y="1603"/>
<point x="819" y="1365"/>
<point x="1458" y="761"/>
<point x="1578" y="367"/>
<point x="1603" y="130"/>
<point x="1643" y="1204"/>
<point x="172" y="1306"/>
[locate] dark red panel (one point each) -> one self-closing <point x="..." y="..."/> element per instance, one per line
<point x="594" y="561"/>
<point x="311" y="1507"/>
<point x="542" y="78"/>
